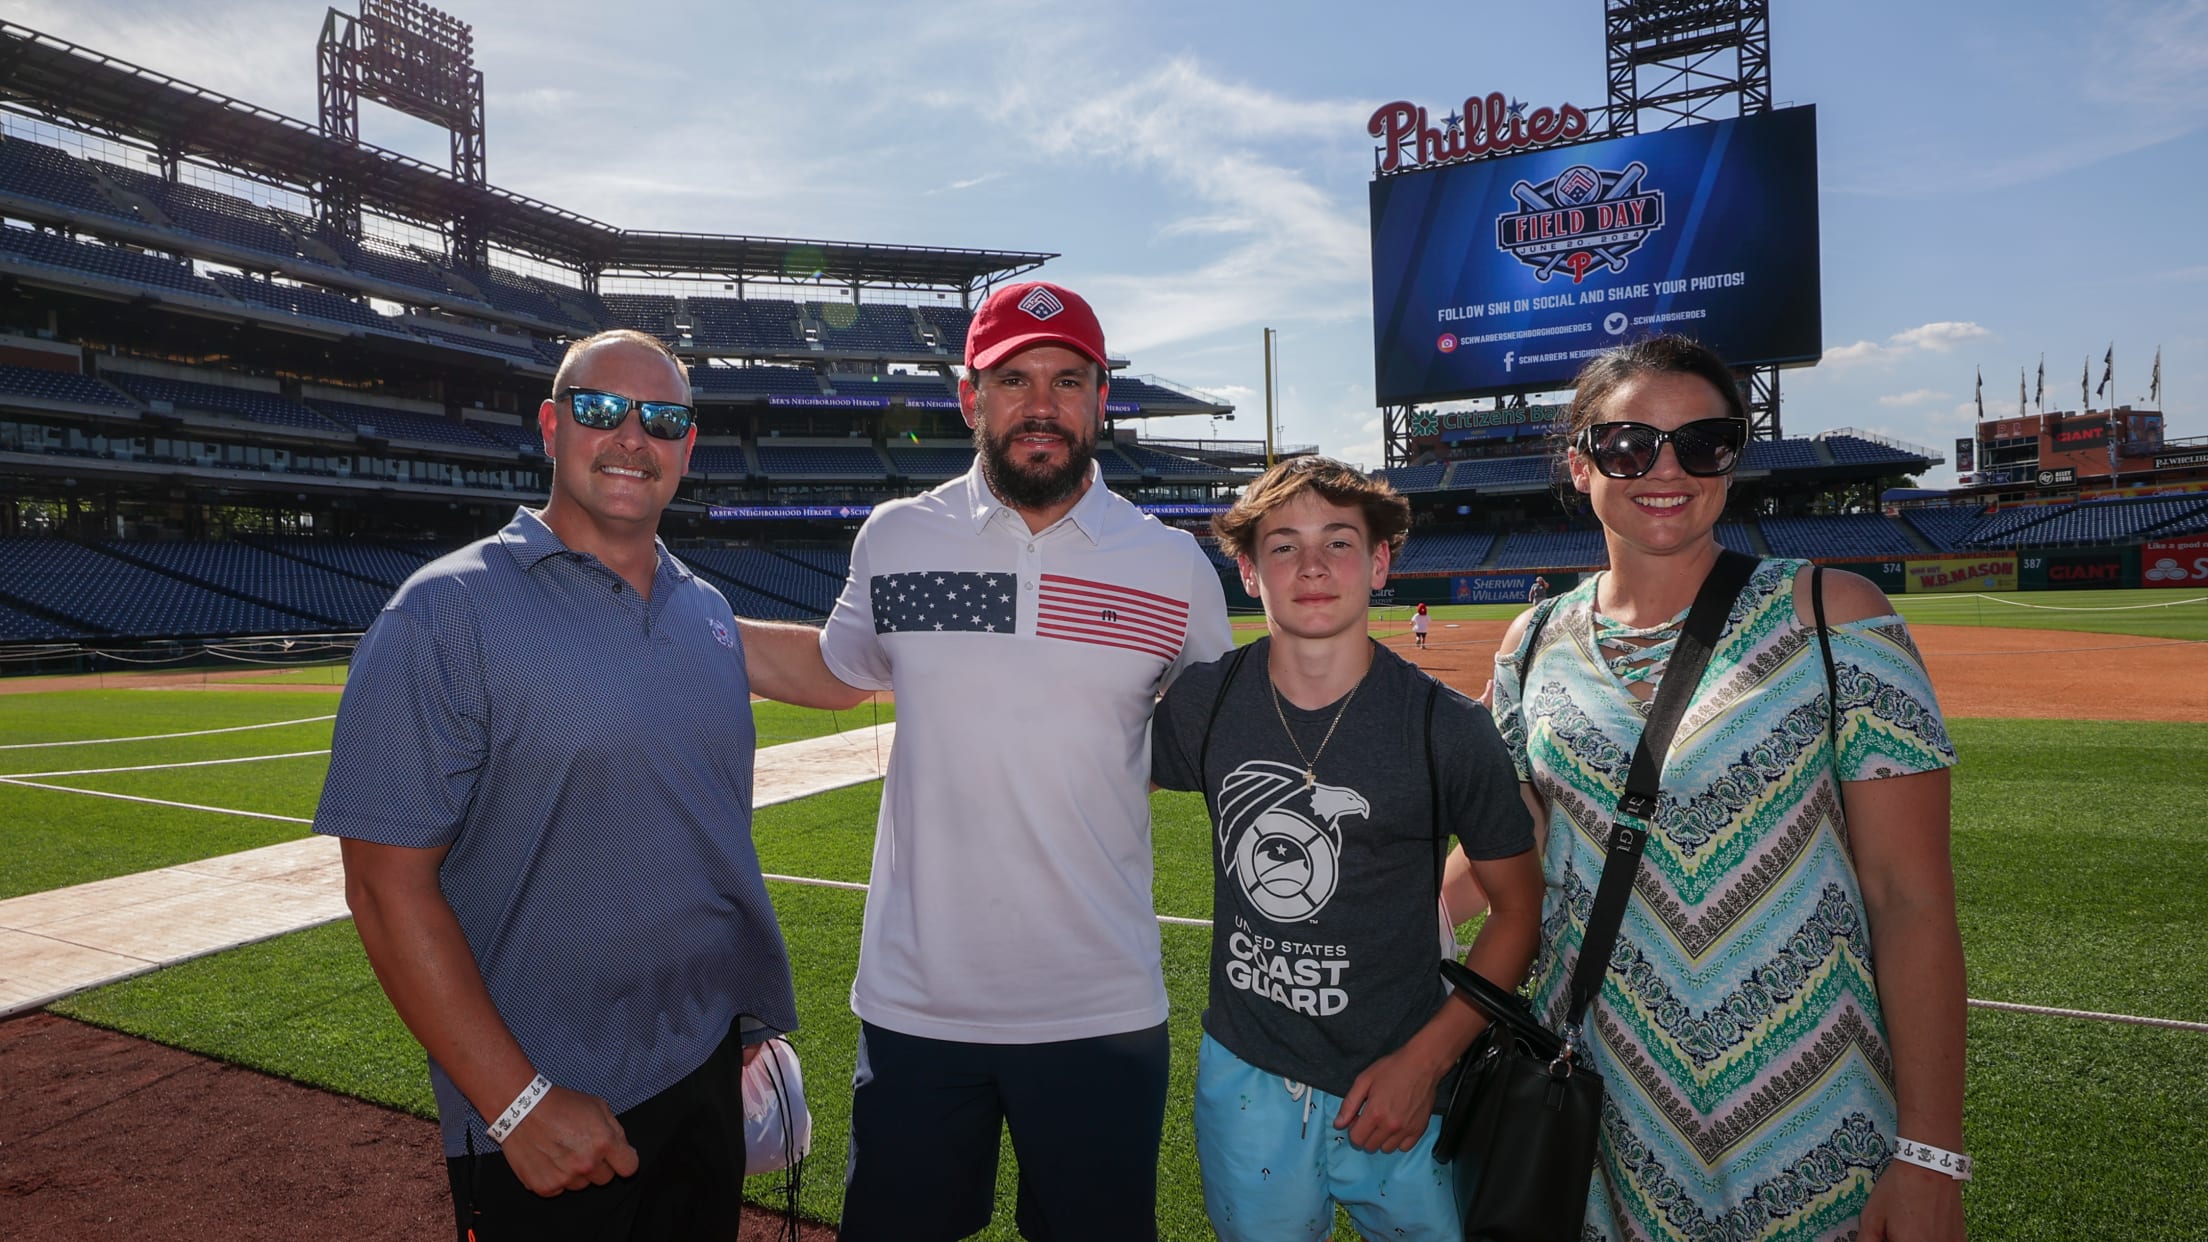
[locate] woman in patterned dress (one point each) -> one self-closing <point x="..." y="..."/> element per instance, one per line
<point x="1785" y="1004"/>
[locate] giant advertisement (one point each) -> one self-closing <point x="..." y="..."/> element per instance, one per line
<point x="1983" y="572"/>
<point x="2175" y="563"/>
<point x="1510" y="273"/>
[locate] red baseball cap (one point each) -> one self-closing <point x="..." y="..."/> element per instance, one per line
<point x="1035" y="312"/>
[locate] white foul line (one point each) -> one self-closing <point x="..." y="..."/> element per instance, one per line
<point x="163" y="767"/>
<point x="156" y="737"/>
<point x="188" y="806"/>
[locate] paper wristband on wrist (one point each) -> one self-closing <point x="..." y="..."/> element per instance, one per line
<point x="1937" y="1159"/>
<point x="519" y="1109"/>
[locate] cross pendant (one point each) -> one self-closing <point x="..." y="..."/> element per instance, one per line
<point x="1310" y="778"/>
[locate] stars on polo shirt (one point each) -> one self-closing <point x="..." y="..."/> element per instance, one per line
<point x="940" y="601"/>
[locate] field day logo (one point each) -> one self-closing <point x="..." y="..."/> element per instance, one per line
<point x="1579" y="220"/>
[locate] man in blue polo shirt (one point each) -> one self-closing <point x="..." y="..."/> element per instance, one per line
<point x="545" y="802"/>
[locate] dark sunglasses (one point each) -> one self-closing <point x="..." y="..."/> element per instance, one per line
<point x="604" y="411"/>
<point x="1706" y="447"/>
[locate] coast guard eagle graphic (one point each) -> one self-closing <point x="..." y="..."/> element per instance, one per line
<point x="1280" y="840"/>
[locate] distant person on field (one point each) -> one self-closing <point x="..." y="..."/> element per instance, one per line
<point x="545" y="802"/>
<point x="1418" y="625"/>
<point x="1335" y="773"/>
<point x="1538" y="590"/>
<point x="1009" y="974"/>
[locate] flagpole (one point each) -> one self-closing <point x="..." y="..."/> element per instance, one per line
<point x="1266" y="341"/>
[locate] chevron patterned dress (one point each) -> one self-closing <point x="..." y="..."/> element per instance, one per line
<point x="1750" y="1086"/>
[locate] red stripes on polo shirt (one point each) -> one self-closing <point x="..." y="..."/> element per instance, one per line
<point x="1083" y="611"/>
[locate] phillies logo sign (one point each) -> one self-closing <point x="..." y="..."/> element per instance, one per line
<point x="1490" y="126"/>
<point x="1580" y="220"/>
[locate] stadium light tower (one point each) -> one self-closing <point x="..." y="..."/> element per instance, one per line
<point x="1683" y="62"/>
<point x="414" y="59"/>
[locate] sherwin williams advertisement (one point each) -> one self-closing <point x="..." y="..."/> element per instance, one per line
<point x="1508" y="274"/>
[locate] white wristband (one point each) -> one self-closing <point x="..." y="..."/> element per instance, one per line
<point x="519" y="1109"/>
<point x="1937" y="1159"/>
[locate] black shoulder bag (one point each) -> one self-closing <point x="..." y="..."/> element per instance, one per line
<point x="1522" y="1123"/>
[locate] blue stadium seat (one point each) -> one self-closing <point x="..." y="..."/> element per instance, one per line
<point x="1445" y="551"/>
<point x="917" y="461"/>
<point x="1777" y="455"/>
<point x="254" y="404"/>
<point x="277" y="581"/>
<point x="1945" y="526"/>
<point x="2113" y="521"/>
<point x="1553" y="550"/>
<point x="821" y="461"/>
<point x="18" y="626"/>
<point x="59" y="386"/>
<point x="308" y="303"/>
<point x="650" y="313"/>
<point x="759" y="577"/>
<point x="727" y="460"/>
<point x="1474" y="473"/>
<point x="115" y="263"/>
<point x="1852" y="451"/>
<point x="2006" y="528"/>
<point x="754" y="382"/>
<point x="395" y="424"/>
<point x="375" y="562"/>
<point x="115" y="597"/>
<point x="1414" y="478"/>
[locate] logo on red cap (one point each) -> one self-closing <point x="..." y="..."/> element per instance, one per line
<point x="1041" y="303"/>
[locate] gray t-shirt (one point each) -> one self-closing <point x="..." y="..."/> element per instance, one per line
<point x="1323" y="933"/>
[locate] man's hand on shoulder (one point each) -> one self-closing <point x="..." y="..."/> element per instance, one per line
<point x="568" y="1141"/>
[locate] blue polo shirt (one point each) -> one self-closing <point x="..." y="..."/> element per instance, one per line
<point x="586" y="755"/>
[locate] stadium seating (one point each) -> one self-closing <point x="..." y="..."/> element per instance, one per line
<point x="1475" y="473"/>
<point x="1838" y="534"/>
<point x="950" y="324"/>
<point x="261" y="407"/>
<point x="522" y="437"/>
<point x="18" y="626"/>
<point x="34" y="170"/>
<point x="2006" y="528"/>
<point x="645" y="312"/>
<point x="520" y="348"/>
<point x="2113" y="521"/>
<point x="1553" y="550"/>
<point x="915" y="461"/>
<point x="395" y="424"/>
<point x="1445" y="551"/>
<point x="754" y="382"/>
<point x="821" y="461"/>
<point x="277" y="581"/>
<point x="375" y="562"/>
<point x="834" y="562"/>
<point x="1415" y="478"/>
<point x="375" y="260"/>
<point x="1774" y="455"/>
<point x="59" y="386"/>
<point x="765" y="324"/>
<point x="809" y="591"/>
<point x="518" y="295"/>
<point x="1854" y="451"/>
<point x="226" y="219"/>
<point x="1168" y="465"/>
<point x="868" y="328"/>
<point x="1734" y="535"/>
<point x="300" y="300"/>
<point x="1114" y="465"/>
<point x="720" y="459"/>
<point x="898" y="387"/>
<point x="112" y="596"/>
<point x="1945" y="526"/>
<point x="114" y="263"/>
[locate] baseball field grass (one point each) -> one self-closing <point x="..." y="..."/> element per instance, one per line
<point x="2082" y="871"/>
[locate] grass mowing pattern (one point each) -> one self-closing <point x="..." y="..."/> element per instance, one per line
<point x="2080" y="868"/>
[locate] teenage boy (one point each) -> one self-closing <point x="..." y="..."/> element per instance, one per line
<point x="1333" y="769"/>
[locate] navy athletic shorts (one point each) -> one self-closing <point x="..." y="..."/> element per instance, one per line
<point x="1085" y="1116"/>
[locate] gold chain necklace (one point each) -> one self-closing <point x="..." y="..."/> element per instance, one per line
<point x="1311" y="761"/>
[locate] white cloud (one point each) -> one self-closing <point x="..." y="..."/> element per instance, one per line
<point x="1939" y="338"/>
<point x="1915" y="396"/>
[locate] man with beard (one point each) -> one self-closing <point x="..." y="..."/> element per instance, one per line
<point x="1026" y="618"/>
<point x="545" y="807"/>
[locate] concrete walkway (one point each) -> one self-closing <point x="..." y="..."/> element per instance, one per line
<point x="56" y="943"/>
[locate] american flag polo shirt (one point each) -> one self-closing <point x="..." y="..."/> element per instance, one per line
<point x="586" y="756"/>
<point x="1010" y="900"/>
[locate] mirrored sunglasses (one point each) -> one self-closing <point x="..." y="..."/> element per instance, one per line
<point x="1706" y="447"/>
<point x="604" y="411"/>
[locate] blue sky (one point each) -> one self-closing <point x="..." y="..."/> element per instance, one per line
<point x="1998" y="180"/>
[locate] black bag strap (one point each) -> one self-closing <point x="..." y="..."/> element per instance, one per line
<point x="1832" y="682"/>
<point x="1433" y="788"/>
<point x="1705" y="622"/>
<point x="1211" y="725"/>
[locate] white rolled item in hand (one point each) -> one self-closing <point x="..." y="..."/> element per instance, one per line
<point x="530" y="1095"/>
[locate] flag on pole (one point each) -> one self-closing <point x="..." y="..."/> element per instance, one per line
<point x="2085" y="386"/>
<point x="2108" y="372"/>
<point x="1981" y="394"/>
<point x="2039" y="387"/>
<point x="2154" y="390"/>
<point x="2020" y="392"/>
